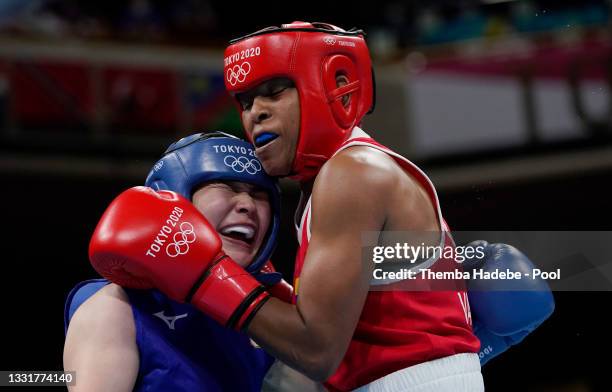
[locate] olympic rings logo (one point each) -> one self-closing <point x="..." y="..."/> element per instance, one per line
<point x="329" y="40"/>
<point x="242" y="164"/>
<point x="238" y="73"/>
<point x="158" y="165"/>
<point x="181" y="239"/>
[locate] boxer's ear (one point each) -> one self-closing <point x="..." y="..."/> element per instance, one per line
<point x="342" y="80"/>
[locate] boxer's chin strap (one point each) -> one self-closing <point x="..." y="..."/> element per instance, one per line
<point x="268" y="278"/>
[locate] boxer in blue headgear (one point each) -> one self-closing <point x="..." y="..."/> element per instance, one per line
<point x="122" y="339"/>
<point x="205" y="157"/>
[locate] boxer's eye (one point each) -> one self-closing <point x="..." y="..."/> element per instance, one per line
<point x="246" y="103"/>
<point x="259" y="195"/>
<point x="221" y="185"/>
<point x="275" y="93"/>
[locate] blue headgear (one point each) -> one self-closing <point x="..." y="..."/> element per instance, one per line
<point x="217" y="156"/>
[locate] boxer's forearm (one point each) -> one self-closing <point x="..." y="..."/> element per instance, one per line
<point x="285" y="333"/>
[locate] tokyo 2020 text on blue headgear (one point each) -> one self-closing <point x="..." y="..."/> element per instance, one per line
<point x="217" y="156"/>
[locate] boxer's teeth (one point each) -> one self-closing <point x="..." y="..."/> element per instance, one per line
<point x="245" y="231"/>
<point x="264" y="138"/>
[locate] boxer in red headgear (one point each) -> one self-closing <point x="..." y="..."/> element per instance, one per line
<point x="311" y="60"/>
<point x="302" y="90"/>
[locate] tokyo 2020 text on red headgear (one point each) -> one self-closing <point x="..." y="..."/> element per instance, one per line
<point x="312" y="55"/>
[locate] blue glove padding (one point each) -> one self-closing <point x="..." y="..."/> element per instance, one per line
<point x="505" y="310"/>
<point x="491" y="345"/>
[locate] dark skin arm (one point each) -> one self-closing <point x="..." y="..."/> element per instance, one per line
<point x="352" y="194"/>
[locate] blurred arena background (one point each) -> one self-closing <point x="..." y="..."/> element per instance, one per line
<point x="505" y="104"/>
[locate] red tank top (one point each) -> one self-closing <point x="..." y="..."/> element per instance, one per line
<point x="397" y="329"/>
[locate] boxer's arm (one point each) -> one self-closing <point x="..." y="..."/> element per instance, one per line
<point x="313" y="335"/>
<point x="101" y="343"/>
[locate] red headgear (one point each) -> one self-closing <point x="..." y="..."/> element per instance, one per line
<point x="312" y="55"/>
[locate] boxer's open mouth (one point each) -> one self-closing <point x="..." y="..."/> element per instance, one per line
<point x="264" y="138"/>
<point x="241" y="233"/>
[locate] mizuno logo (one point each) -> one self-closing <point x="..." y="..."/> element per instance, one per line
<point x="169" y="320"/>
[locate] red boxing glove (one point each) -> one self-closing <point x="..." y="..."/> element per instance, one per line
<point x="159" y="239"/>
<point x="281" y="290"/>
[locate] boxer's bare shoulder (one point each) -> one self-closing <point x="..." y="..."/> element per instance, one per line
<point x="110" y="298"/>
<point x="361" y="166"/>
<point x="101" y="342"/>
<point x="376" y="176"/>
<point x="107" y="313"/>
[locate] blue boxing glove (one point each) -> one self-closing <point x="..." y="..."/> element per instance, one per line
<point x="505" y="311"/>
<point x="491" y="344"/>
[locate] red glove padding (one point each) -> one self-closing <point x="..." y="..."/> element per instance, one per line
<point x="159" y="239"/>
<point x="281" y="290"/>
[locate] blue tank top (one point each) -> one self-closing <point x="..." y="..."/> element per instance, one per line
<point x="180" y="348"/>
